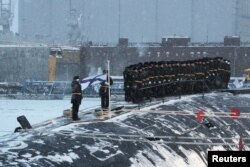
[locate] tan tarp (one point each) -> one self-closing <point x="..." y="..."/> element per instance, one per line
<point x="247" y="70"/>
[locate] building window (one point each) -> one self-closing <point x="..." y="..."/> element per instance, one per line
<point x="149" y="53"/>
<point x="204" y="54"/>
<point x="192" y="54"/>
<point x="158" y="54"/>
<point x="140" y="54"/>
<point x="167" y="53"/>
<point x="198" y="54"/>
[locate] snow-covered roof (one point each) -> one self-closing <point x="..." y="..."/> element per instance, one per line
<point x="69" y="48"/>
<point x="176" y="36"/>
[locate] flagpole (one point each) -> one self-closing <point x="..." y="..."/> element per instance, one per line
<point x="109" y="89"/>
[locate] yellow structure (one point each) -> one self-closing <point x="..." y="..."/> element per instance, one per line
<point x="54" y="54"/>
<point x="52" y="68"/>
<point x="247" y="74"/>
<point x="64" y="62"/>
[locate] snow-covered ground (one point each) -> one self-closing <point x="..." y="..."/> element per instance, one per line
<point x="35" y="111"/>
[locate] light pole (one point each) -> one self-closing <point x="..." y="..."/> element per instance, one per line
<point x="235" y="56"/>
<point x="192" y="19"/>
<point x="156" y="20"/>
<point x="119" y="18"/>
<point x="109" y="89"/>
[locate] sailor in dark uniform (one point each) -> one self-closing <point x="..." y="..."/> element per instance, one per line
<point x="104" y="91"/>
<point x="76" y="97"/>
<point x="159" y="79"/>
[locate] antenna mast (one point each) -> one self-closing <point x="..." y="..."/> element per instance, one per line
<point x="192" y="20"/>
<point x="156" y="20"/>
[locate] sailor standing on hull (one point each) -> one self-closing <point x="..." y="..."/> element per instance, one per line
<point x="76" y="97"/>
<point x="104" y="91"/>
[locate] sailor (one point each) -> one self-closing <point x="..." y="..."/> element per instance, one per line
<point x="104" y="91"/>
<point x="127" y="83"/>
<point x="158" y="79"/>
<point x="160" y="82"/>
<point x="227" y="69"/>
<point x="136" y="89"/>
<point x="167" y="80"/>
<point x="76" y="97"/>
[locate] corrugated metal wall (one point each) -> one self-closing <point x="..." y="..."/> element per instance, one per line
<point x="23" y="63"/>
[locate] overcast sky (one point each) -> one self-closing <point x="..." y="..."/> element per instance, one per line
<point x="211" y="21"/>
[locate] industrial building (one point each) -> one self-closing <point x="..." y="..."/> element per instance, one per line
<point x="61" y="63"/>
<point x="93" y="29"/>
<point x="172" y="48"/>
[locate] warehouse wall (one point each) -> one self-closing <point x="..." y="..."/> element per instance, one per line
<point x="19" y="63"/>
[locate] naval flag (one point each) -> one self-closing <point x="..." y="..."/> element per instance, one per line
<point x="92" y="80"/>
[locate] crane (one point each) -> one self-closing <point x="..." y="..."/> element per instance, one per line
<point x="6" y="16"/>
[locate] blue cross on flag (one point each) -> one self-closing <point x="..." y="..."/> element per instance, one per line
<point x="92" y="80"/>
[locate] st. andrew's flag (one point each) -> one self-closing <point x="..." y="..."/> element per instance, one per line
<point x="92" y="80"/>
